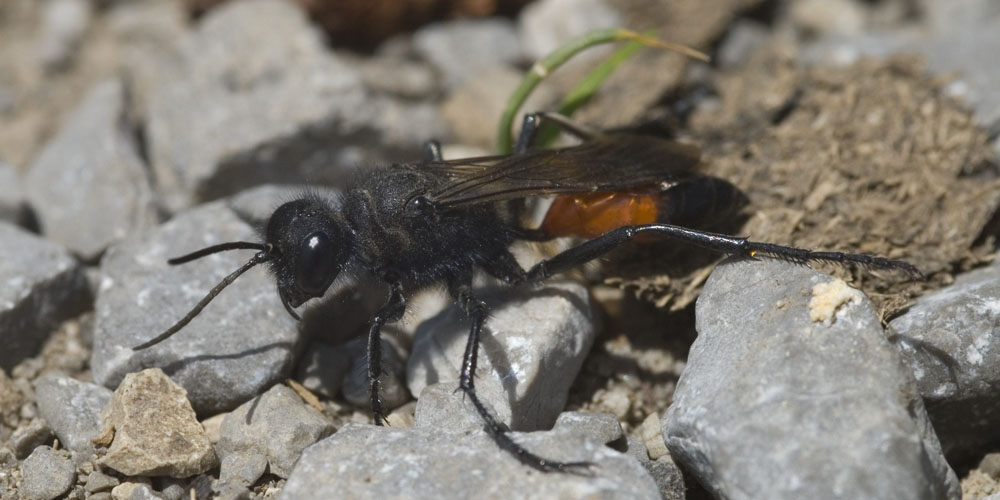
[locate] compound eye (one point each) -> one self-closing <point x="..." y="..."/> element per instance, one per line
<point x="316" y="265"/>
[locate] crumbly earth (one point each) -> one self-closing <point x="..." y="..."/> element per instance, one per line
<point x="817" y="153"/>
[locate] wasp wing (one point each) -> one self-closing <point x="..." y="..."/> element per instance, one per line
<point x="604" y="163"/>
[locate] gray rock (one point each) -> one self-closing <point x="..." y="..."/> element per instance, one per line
<point x="99" y="481"/>
<point x="256" y="77"/>
<point x="72" y="408"/>
<point x="742" y="38"/>
<point x="356" y="386"/>
<point x="153" y="429"/>
<point x="26" y="438"/>
<point x="13" y="208"/>
<point x="47" y="474"/>
<point x="363" y="461"/>
<point x="664" y="471"/>
<point x="134" y="491"/>
<point x="602" y="427"/>
<point x="463" y="48"/>
<point x="269" y="431"/>
<point x="399" y="76"/>
<point x="532" y="347"/>
<point x="441" y="406"/>
<point x="773" y="404"/>
<point x="547" y="24"/>
<point x="88" y="184"/>
<point x="42" y="286"/>
<point x="241" y="343"/>
<point x="949" y="339"/>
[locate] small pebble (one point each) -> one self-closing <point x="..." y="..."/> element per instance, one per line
<point x="155" y="432"/>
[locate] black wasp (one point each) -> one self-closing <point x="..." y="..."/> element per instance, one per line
<point x="417" y="224"/>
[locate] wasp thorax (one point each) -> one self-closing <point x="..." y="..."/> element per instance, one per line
<point x="311" y="246"/>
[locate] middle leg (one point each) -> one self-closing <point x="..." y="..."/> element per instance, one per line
<point x="476" y="309"/>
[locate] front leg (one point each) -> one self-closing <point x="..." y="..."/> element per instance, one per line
<point x="392" y="310"/>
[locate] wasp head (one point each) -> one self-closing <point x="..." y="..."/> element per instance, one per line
<point x="311" y="246"/>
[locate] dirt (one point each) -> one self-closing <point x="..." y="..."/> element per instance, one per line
<point x="871" y="158"/>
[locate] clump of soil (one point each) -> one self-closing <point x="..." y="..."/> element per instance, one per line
<point x="871" y="158"/>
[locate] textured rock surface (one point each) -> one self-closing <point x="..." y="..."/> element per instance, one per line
<point x="42" y="286"/>
<point x="950" y="340"/>
<point x="363" y="461"/>
<point x="532" y="347"/>
<point x="832" y="406"/>
<point x="284" y="108"/>
<point x="47" y="474"/>
<point x="72" y="408"/>
<point x="241" y="343"/>
<point x="155" y="429"/>
<point x="276" y="427"/>
<point x="88" y="185"/>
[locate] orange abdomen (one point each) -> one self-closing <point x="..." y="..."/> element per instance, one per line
<point x="593" y="214"/>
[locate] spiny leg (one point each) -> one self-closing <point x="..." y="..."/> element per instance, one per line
<point x="477" y="311"/>
<point x="392" y="310"/>
<point x="721" y="243"/>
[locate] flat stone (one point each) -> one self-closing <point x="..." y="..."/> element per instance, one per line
<point x="42" y="286"/>
<point x="462" y="48"/>
<point x="240" y="344"/>
<point x="949" y="339"/>
<point x="276" y="427"/>
<point x="775" y="405"/>
<point x="285" y="109"/>
<point x="364" y="461"/>
<point x="99" y="481"/>
<point x="88" y="185"/>
<point x="602" y="427"/>
<point x="26" y="438"/>
<point x="155" y="432"/>
<point x="532" y="346"/>
<point x="72" y="408"/>
<point x="47" y="474"/>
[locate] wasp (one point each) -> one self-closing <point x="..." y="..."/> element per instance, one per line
<point x="413" y="225"/>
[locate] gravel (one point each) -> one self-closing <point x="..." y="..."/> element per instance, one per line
<point x="828" y="400"/>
